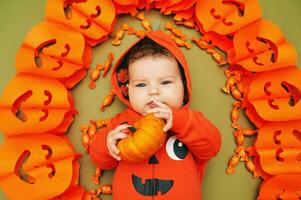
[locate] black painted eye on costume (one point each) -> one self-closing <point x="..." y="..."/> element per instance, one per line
<point x="175" y="149"/>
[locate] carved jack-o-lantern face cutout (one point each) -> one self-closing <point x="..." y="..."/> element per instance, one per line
<point x="279" y="147"/>
<point x="56" y="52"/>
<point x="157" y="178"/>
<point x="93" y="18"/>
<point x="261" y="46"/>
<point x="276" y="95"/>
<point x="226" y="16"/>
<point x="41" y="167"/>
<point x="31" y="101"/>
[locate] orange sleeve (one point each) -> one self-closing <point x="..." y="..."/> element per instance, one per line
<point x="99" y="152"/>
<point x="198" y="133"/>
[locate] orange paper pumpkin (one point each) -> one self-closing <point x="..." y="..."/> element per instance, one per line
<point x="30" y="101"/>
<point x="145" y="141"/>
<point x="261" y="46"/>
<point x="275" y="95"/>
<point x="54" y="51"/>
<point x="279" y="147"/>
<point x="39" y="166"/>
<point x="94" y="18"/>
<point x="226" y="16"/>
<point x="285" y="187"/>
<point x="126" y="6"/>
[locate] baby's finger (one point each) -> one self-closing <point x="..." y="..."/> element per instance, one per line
<point x="115" y="156"/>
<point x="162" y="115"/>
<point x="114" y="149"/>
<point x="167" y="126"/>
<point x="158" y="109"/>
<point x="121" y="127"/>
<point x="161" y="104"/>
<point x="119" y="135"/>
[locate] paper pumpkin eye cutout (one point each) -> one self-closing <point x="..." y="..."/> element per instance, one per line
<point x="276" y="95"/>
<point x="40" y="165"/>
<point x="261" y="46"/>
<point x="226" y="16"/>
<point x="30" y="101"/>
<point x="54" y="51"/>
<point x="93" y="18"/>
<point x="279" y="147"/>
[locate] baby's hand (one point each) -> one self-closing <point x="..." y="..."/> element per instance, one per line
<point x="113" y="136"/>
<point x="163" y="112"/>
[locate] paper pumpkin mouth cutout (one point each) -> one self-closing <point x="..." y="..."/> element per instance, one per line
<point x="36" y="106"/>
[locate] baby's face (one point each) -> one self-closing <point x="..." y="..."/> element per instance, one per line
<point x="155" y="78"/>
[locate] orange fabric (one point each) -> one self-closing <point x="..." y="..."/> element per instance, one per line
<point x="189" y="127"/>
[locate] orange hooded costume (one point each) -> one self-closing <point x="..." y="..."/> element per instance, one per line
<point x="176" y="170"/>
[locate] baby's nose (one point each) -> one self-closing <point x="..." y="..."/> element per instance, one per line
<point x="154" y="91"/>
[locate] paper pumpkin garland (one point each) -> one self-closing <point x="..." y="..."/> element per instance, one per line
<point x="262" y="77"/>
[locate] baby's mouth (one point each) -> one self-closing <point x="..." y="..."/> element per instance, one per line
<point x="152" y="105"/>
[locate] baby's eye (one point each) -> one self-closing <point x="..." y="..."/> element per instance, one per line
<point x="166" y="82"/>
<point x="140" y="85"/>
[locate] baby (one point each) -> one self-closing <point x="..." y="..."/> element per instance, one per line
<point x="152" y="77"/>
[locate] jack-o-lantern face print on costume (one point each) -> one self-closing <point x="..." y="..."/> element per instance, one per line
<point x="169" y="170"/>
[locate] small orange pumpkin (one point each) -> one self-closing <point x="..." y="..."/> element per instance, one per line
<point x="145" y="138"/>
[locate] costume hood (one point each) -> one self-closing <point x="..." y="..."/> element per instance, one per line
<point x="119" y="76"/>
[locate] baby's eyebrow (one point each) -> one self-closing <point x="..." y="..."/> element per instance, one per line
<point x="168" y="76"/>
<point x="137" y="80"/>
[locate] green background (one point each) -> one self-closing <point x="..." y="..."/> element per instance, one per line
<point x="18" y="17"/>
